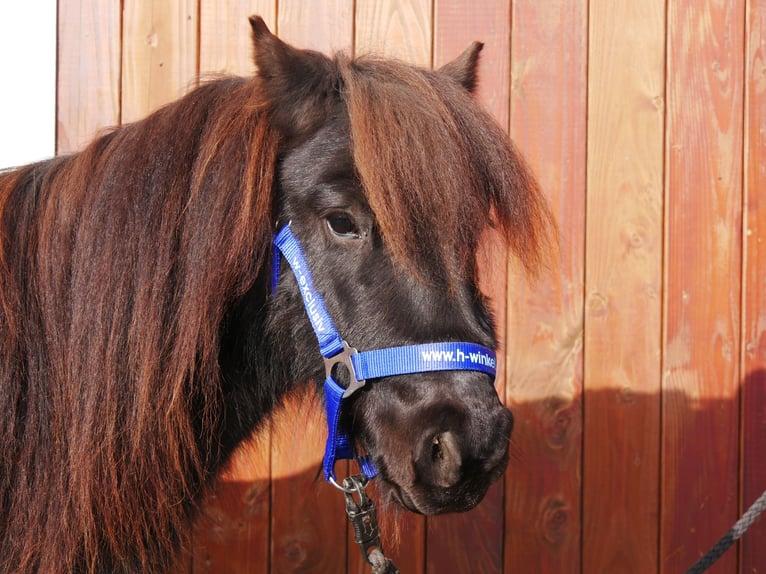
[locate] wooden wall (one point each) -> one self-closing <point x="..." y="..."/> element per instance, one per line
<point x="637" y="370"/>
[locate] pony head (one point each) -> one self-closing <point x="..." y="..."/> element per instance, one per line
<point x="389" y="176"/>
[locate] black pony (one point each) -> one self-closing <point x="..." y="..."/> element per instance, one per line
<point x="140" y="343"/>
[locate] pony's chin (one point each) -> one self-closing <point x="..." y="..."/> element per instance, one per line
<point x="395" y="494"/>
<point x="399" y="496"/>
<point x="421" y="501"/>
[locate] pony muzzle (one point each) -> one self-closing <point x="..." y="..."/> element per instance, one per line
<point x="454" y="463"/>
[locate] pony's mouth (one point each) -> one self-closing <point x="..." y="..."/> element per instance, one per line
<point x="428" y="501"/>
<point x="400" y="496"/>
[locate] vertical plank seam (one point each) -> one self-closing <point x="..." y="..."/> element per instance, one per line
<point x="198" y="46"/>
<point x="583" y="309"/>
<point x="197" y="71"/>
<point x="432" y="39"/>
<point x="271" y="543"/>
<point x="276" y="17"/>
<point x="740" y="375"/>
<point x="121" y="72"/>
<point x="353" y="29"/>
<point x="56" y="74"/>
<point x="506" y="272"/>
<point x="663" y="282"/>
<point x="431" y="58"/>
<point x="432" y="42"/>
<point x="270" y="519"/>
<point x="426" y="529"/>
<point x="349" y="533"/>
<point x="743" y="299"/>
<point x="665" y="278"/>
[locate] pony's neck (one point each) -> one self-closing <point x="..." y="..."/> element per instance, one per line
<point x="256" y="370"/>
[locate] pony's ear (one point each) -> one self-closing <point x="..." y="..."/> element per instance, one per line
<point x="463" y="69"/>
<point x="300" y="84"/>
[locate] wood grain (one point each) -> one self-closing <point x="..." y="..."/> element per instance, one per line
<point x="754" y="277"/>
<point x="545" y="321"/>
<point x="473" y="542"/>
<point x="700" y="409"/>
<point x="88" y="85"/>
<point x="623" y="282"/>
<point x="326" y="26"/>
<point x="308" y="522"/>
<point x="233" y="535"/>
<point x="159" y="54"/>
<point x="395" y="28"/>
<point x="400" y="29"/>
<point x="225" y="42"/>
<point x="456" y="25"/>
<point x="308" y="519"/>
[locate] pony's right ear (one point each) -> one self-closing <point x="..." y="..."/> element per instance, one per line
<point x="300" y="85"/>
<point x="464" y="68"/>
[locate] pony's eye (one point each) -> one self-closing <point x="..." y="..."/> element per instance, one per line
<point x="342" y="225"/>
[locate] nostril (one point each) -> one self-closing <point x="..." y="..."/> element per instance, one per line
<point x="437" y="453"/>
<point x="439" y="461"/>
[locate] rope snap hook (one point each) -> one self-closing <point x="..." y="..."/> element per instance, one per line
<point x="361" y="513"/>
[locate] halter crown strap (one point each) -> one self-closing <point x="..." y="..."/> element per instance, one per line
<point x="364" y="365"/>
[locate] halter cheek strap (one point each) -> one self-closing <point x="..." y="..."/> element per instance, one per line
<point x="363" y="365"/>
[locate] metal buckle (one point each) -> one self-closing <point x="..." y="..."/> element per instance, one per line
<point x="362" y="515"/>
<point x="344" y="358"/>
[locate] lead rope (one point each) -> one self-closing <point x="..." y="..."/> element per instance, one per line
<point x="364" y="520"/>
<point x="381" y="564"/>
<point x="734" y="533"/>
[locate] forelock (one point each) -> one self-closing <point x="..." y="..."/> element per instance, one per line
<point x="437" y="170"/>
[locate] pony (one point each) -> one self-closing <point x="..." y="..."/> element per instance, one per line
<point x="141" y="341"/>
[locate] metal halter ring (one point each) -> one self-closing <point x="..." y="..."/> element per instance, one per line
<point x="344" y="358"/>
<point x="331" y="480"/>
<point x="358" y="485"/>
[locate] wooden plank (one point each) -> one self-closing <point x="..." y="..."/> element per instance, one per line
<point x="225" y="44"/>
<point x="395" y="28"/>
<point x="88" y="85"/>
<point x="545" y="321"/>
<point x="308" y="519"/>
<point x="159" y="55"/>
<point x="456" y="25"/>
<point x="326" y="26"/>
<point x="623" y="306"/>
<point x="308" y="522"/>
<point x="754" y="275"/>
<point x="234" y="533"/>
<point x="700" y="408"/>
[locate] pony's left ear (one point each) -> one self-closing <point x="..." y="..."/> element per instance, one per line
<point x="300" y="84"/>
<point x="464" y="68"/>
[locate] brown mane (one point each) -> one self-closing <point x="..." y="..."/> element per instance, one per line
<point x="117" y="266"/>
<point x="403" y="119"/>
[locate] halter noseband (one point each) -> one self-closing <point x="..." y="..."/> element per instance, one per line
<point x="364" y="365"/>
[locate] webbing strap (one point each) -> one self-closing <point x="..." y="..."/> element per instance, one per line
<point x="364" y="365"/>
<point x="423" y="359"/>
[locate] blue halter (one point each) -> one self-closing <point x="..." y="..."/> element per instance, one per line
<point x="363" y="365"/>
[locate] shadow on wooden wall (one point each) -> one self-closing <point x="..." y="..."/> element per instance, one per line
<point x="295" y="522"/>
